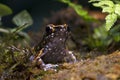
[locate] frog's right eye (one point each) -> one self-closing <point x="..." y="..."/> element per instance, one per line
<point x="49" y="29"/>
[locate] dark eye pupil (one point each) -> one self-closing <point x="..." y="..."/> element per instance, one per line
<point x="48" y="30"/>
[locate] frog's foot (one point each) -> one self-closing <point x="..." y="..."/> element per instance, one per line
<point x="50" y="67"/>
<point x="40" y="64"/>
<point x="70" y="57"/>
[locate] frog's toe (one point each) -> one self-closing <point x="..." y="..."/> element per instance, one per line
<point x="72" y="57"/>
<point x="50" y="67"/>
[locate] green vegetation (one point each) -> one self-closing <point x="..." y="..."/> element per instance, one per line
<point x="111" y="7"/>
<point x="106" y="34"/>
<point x="4" y="10"/>
<point x="79" y="10"/>
<point x="101" y="39"/>
<point x="12" y="39"/>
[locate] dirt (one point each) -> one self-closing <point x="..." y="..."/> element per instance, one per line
<point x="105" y="67"/>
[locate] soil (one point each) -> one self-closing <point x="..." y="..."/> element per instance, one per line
<point x="105" y="67"/>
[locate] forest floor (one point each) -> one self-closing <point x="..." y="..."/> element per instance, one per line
<point x="105" y="67"/>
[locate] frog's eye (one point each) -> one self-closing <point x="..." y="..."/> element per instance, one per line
<point x="49" y="29"/>
<point x="67" y="27"/>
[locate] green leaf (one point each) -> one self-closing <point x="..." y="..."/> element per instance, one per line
<point x="108" y="9"/>
<point x="93" y="0"/>
<point x="117" y="1"/>
<point x="117" y="9"/>
<point x="23" y="18"/>
<point x="100" y="32"/>
<point x="18" y="29"/>
<point x="106" y="3"/>
<point x="81" y="12"/>
<point x="116" y="37"/>
<point x="115" y="29"/>
<point x="5" y="10"/>
<point x="110" y="20"/>
<point x="107" y="6"/>
<point x="65" y="1"/>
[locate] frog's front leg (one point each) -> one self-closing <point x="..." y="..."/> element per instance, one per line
<point x="37" y="61"/>
<point x="41" y="65"/>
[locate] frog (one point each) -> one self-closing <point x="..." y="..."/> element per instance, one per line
<point x="52" y="48"/>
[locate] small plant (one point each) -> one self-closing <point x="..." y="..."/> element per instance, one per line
<point x="11" y="56"/>
<point x="106" y="34"/>
<point x="101" y="38"/>
<point x="112" y="7"/>
<point x="22" y="20"/>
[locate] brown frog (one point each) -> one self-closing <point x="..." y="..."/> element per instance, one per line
<point x="52" y="48"/>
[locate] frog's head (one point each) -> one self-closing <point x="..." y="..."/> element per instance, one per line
<point x="57" y="33"/>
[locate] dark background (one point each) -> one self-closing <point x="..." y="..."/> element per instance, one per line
<point x="39" y="9"/>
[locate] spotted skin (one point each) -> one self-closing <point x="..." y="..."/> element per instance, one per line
<point x="53" y="45"/>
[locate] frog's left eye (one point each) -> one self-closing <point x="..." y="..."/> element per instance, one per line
<point x="49" y="29"/>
